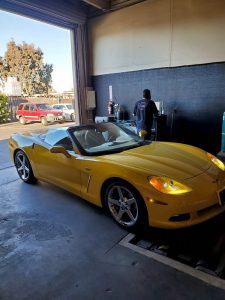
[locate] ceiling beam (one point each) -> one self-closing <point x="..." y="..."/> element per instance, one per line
<point x="100" y="4"/>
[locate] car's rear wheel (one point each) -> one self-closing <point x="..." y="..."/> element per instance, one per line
<point x="125" y="205"/>
<point x="44" y="121"/>
<point x="22" y="120"/>
<point x="73" y="117"/>
<point x="24" y="168"/>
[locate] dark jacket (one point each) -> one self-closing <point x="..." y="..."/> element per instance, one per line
<point x="144" y="110"/>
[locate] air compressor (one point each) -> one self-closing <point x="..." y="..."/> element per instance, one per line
<point x="110" y="107"/>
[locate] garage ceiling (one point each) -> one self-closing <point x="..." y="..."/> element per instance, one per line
<point x="65" y="13"/>
<point x="101" y="6"/>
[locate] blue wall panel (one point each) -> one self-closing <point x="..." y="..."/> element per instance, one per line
<point x="193" y="96"/>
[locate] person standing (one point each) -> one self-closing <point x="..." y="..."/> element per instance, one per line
<point x="144" y="110"/>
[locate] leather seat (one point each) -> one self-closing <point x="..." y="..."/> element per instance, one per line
<point x="93" y="139"/>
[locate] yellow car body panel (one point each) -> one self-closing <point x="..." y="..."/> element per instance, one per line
<point x="85" y="176"/>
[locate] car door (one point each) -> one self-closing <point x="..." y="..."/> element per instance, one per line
<point x="25" y="112"/>
<point x="33" y="112"/>
<point x="57" y="168"/>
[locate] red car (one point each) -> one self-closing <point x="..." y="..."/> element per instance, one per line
<point x="40" y="112"/>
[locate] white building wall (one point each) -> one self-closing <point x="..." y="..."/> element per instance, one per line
<point x="12" y="87"/>
<point x="158" y="33"/>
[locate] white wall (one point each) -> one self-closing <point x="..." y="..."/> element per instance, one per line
<point x="157" y="33"/>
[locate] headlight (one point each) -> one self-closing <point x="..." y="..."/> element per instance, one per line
<point x="168" y="186"/>
<point x="216" y="161"/>
<point x="50" y="115"/>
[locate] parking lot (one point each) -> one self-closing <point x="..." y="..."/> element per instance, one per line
<point x="54" y="245"/>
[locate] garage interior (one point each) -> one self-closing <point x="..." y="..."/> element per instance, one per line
<point x="54" y="246"/>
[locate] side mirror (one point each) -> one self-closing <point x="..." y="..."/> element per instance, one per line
<point x="59" y="149"/>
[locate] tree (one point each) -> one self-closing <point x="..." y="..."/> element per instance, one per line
<point x="3" y="70"/>
<point x="4" y="112"/>
<point x="46" y="78"/>
<point x="25" y="62"/>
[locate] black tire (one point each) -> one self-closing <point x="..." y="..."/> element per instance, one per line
<point x="23" y="167"/>
<point x="44" y="121"/>
<point x="125" y="205"/>
<point x="73" y="117"/>
<point x="22" y="120"/>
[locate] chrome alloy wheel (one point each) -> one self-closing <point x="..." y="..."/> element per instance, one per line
<point x="22" y="166"/>
<point x="123" y="205"/>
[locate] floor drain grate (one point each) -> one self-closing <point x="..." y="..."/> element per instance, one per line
<point x="209" y="270"/>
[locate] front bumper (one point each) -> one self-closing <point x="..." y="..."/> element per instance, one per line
<point x="200" y="205"/>
<point x="54" y="118"/>
<point x="67" y="116"/>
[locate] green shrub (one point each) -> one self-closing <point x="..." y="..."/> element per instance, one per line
<point x="4" y="111"/>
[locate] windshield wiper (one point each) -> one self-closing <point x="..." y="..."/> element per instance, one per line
<point x="125" y="148"/>
<point x="145" y="142"/>
<point x="118" y="143"/>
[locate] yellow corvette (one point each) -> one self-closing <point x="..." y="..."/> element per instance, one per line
<point x="162" y="184"/>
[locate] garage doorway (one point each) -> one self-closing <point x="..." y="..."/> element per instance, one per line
<point x="57" y="45"/>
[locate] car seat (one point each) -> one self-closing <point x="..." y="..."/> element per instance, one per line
<point x="80" y="136"/>
<point x="93" y="139"/>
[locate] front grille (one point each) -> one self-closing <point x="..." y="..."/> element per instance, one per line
<point x="179" y="218"/>
<point x="56" y="118"/>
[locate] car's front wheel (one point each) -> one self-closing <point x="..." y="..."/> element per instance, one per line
<point x="23" y="167"/>
<point x="44" y="121"/>
<point x="22" y="120"/>
<point x="125" y="205"/>
<point x="73" y="117"/>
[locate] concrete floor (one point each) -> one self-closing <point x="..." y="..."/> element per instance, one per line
<point x="54" y="245"/>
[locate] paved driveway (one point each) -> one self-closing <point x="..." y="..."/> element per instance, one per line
<point x="5" y="160"/>
<point x="7" y="129"/>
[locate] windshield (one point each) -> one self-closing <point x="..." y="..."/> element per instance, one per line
<point x="44" y="106"/>
<point x="69" y="106"/>
<point x="104" y="138"/>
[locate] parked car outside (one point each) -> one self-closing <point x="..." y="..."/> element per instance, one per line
<point x="67" y="109"/>
<point x="40" y="112"/>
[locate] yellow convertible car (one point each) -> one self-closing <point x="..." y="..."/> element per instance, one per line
<point x="161" y="184"/>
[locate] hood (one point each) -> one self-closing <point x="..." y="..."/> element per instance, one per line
<point x="174" y="160"/>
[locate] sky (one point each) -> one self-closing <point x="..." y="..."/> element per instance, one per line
<point x="54" y="42"/>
